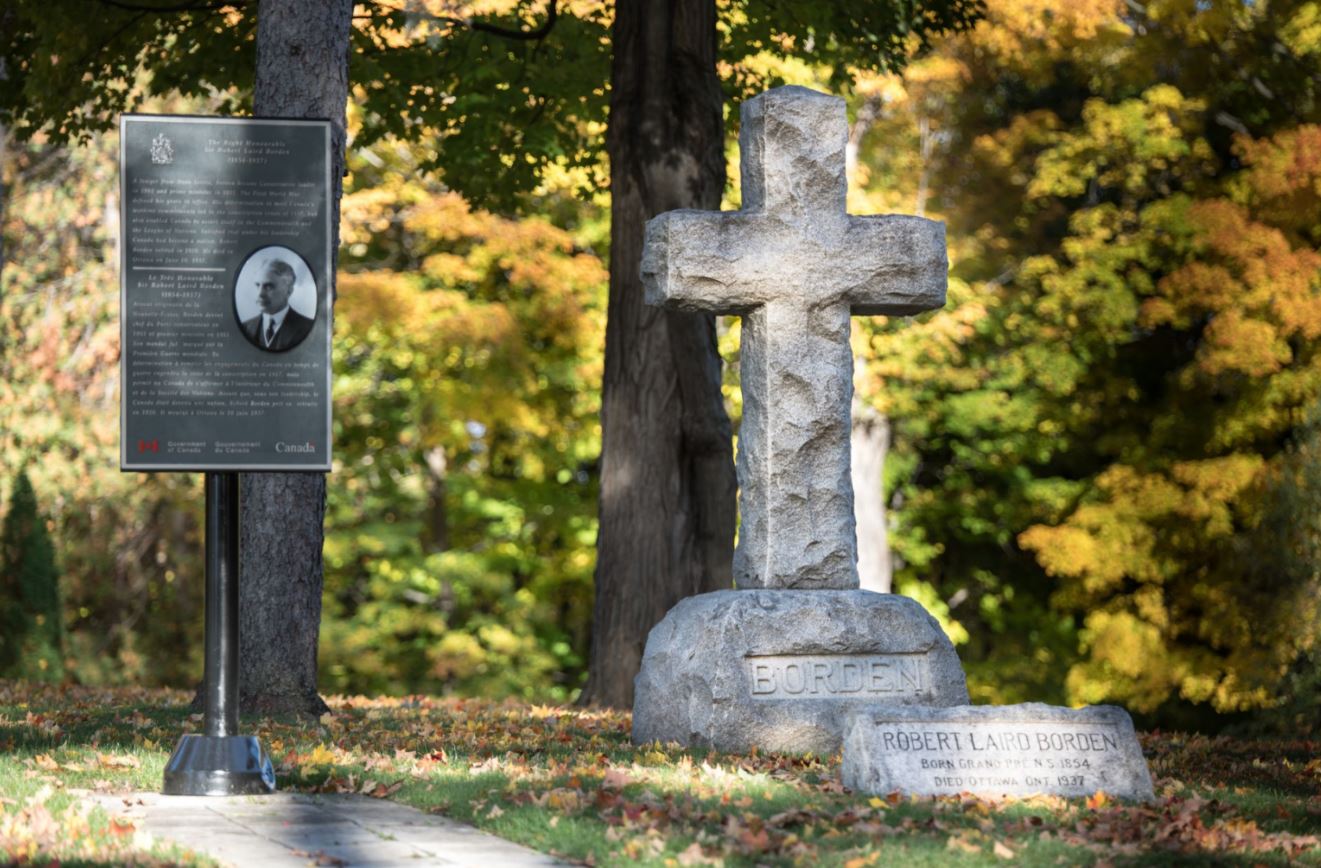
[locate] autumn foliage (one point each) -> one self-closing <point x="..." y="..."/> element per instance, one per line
<point x="1105" y="476"/>
<point x="1106" y="440"/>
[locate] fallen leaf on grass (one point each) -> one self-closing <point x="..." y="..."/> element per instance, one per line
<point x="115" y="761"/>
<point x="564" y="799"/>
<point x="616" y="779"/>
<point x="122" y="826"/>
<point x="490" y="764"/>
<point x="46" y="762"/>
<point x="1002" y="851"/>
<point x="693" y="854"/>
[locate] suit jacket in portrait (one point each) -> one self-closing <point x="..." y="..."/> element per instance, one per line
<point x="291" y="333"/>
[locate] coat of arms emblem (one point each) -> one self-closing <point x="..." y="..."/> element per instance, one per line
<point x="162" y="150"/>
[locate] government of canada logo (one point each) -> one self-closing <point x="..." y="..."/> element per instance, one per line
<point x="162" y="150"/>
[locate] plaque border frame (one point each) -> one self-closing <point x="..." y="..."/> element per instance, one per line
<point x="125" y="464"/>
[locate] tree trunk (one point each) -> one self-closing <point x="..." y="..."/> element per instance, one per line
<point x="4" y="161"/>
<point x="870" y="441"/>
<point x="302" y="72"/>
<point x="667" y="474"/>
<point x="869" y="436"/>
<point x="6" y="25"/>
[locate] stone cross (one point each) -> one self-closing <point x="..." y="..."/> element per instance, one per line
<point x="795" y="265"/>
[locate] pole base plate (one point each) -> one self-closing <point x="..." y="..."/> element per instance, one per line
<point x="219" y="765"/>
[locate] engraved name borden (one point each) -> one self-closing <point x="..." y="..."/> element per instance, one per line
<point x="838" y="676"/>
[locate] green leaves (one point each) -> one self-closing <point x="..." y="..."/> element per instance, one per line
<point x="462" y="509"/>
<point x="1098" y="423"/>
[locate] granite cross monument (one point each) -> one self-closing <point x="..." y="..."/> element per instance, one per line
<point x="795" y="265"/>
<point x="779" y="662"/>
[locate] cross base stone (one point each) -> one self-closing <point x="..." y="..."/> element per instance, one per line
<point x="781" y="670"/>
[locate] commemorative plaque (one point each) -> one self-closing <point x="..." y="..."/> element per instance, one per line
<point x="225" y="271"/>
<point x="225" y="274"/>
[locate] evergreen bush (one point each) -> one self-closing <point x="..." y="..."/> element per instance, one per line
<point x="31" y="621"/>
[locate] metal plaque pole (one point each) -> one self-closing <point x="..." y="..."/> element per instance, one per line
<point x="220" y="762"/>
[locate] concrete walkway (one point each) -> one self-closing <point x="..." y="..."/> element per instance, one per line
<point x="288" y="829"/>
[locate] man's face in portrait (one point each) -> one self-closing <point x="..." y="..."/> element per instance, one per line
<point x="274" y="289"/>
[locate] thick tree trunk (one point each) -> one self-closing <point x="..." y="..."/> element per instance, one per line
<point x="667" y="474"/>
<point x="870" y="441"/>
<point x="5" y="27"/>
<point x="4" y="160"/>
<point x="302" y="72"/>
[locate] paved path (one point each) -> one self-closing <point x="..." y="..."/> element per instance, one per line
<point x="288" y="829"/>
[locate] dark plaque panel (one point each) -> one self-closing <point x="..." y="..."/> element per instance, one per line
<point x="224" y="293"/>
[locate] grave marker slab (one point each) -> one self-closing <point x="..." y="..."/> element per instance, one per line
<point x="1014" y="750"/>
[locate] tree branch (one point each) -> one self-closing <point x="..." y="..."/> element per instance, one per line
<point x="552" y="13"/>
<point x="195" y="6"/>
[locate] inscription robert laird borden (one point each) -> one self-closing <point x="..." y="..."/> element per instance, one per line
<point x="838" y="676"/>
<point x="1006" y="750"/>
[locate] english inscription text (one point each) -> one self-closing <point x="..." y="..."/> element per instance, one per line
<point x="838" y="676"/>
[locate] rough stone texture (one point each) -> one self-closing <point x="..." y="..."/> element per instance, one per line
<point x="999" y="750"/>
<point x="795" y="265"/>
<point x="780" y="669"/>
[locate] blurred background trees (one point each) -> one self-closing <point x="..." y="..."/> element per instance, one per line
<point x="1098" y="440"/>
<point x="1102" y="471"/>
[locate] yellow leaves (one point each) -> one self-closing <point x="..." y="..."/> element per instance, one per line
<point x="45" y="762"/>
<point x="457" y="655"/>
<point x="1014" y="29"/>
<point x="1113" y="537"/>
<point x="319" y="756"/>
<point x="1215" y="481"/>
<point x="935" y="69"/>
<point x="1127" y="662"/>
<point x="1258" y="292"/>
<point x="1283" y="177"/>
<point x="1063" y="551"/>
<point x="1196" y="285"/>
<point x="1233" y="342"/>
<point x="1126" y="146"/>
<point x="1126" y="553"/>
<point x="118" y="761"/>
<point x="374" y="298"/>
<point x="565" y="799"/>
<point x="1302" y="34"/>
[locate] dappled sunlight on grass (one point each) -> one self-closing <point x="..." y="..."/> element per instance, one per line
<point x="568" y="781"/>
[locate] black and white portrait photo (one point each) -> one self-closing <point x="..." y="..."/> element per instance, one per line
<point x="275" y="299"/>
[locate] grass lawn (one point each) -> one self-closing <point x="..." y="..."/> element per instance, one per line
<point x="567" y="781"/>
